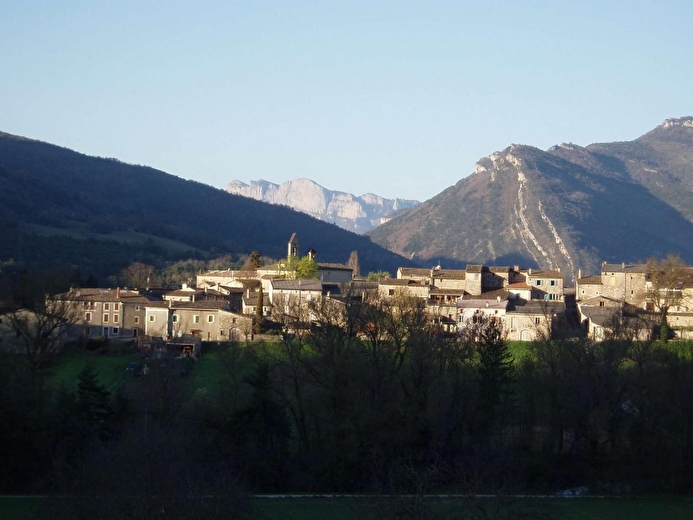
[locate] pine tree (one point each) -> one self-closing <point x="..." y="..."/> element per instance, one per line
<point x="258" y="326"/>
<point x="93" y="401"/>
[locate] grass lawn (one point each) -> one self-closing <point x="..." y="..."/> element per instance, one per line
<point x="577" y="508"/>
<point x="109" y="367"/>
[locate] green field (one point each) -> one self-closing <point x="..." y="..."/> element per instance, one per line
<point x="578" y="508"/>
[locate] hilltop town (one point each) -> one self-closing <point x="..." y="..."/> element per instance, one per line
<point x="529" y="304"/>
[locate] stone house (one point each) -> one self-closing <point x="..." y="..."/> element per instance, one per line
<point x="545" y="284"/>
<point x="623" y="282"/>
<point x="111" y="313"/>
<point x="209" y="320"/>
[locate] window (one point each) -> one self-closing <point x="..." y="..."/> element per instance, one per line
<point x="87" y="316"/>
<point x="196" y="318"/>
<point x="105" y="318"/>
<point x="538" y="282"/>
<point x="152" y="318"/>
<point x="137" y="307"/>
<point x="115" y="331"/>
<point x="87" y="331"/>
<point x="107" y="306"/>
<point x="210" y="318"/>
<point x="390" y="292"/>
<point x="116" y="306"/>
<point x="137" y="319"/>
<point x="174" y="318"/>
<point x="105" y="331"/>
<point x="537" y="321"/>
<point x="116" y="318"/>
<point x="552" y="282"/>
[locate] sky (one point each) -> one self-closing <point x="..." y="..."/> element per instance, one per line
<point x="394" y="98"/>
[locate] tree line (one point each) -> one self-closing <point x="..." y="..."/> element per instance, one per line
<point x="368" y="400"/>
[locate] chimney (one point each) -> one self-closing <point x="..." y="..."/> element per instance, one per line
<point x="117" y="292"/>
<point x="623" y="265"/>
<point x="184" y="286"/>
<point x="579" y="272"/>
<point x="529" y="271"/>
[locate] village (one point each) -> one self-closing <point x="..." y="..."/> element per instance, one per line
<point x="530" y="304"/>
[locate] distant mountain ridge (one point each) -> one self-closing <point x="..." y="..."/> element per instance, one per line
<point x="569" y="206"/>
<point x="354" y="213"/>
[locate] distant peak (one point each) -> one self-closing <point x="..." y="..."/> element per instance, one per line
<point x="680" y="121"/>
<point x="565" y="146"/>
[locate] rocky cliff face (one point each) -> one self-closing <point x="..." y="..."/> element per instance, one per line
<point x="351" y="212"/>
<point x="568" y="207"/>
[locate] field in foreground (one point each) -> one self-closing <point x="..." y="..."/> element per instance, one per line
<point x="574" y="508"/>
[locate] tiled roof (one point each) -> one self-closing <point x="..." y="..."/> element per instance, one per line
<point x="623" y="268"/>
<point x="595" y="302"/>
<point x="414" y="271"/>
<point x="541" y="273"/>
<point x="453" y="292"/>
<point x="474" y="268"/>
<point x="108" y="295"/>
<point x="184" y="292"/>
<point x="205" y="304"/>
<point x="490" y="295"/>
<point x="477" y="303"/>
<point x="600" y="315"/>
<point x="499" y="269"/>
<point x="402" y="282"/>
<point x="538" y="307"/>
<point x="327" y="265"/>
<point x="590" y="280"/>
<point x="450" y="274"/>
<point x="297" y="285"/>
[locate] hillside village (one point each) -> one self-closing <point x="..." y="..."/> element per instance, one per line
<point x="529" y="303"/>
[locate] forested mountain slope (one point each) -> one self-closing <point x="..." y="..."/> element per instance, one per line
<point x="60" y="208"/>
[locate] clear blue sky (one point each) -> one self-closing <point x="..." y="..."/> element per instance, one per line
<point x="395" y="98"/>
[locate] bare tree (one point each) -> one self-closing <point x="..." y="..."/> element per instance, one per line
<point x="138" y="274"/>
<point x="42" y="332"/>
<point x="663" y="290"/>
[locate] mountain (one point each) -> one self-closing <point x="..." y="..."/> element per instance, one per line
<point x="60" y="208"/>
<point x="351" y="212"/>
<point x="569" y="206"/>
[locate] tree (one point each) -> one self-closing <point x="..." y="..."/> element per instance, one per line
<point x="663" y="287"/>
<point x="306" y="268"/>
<point x="494" y="367"/>
<point x="42" y="332"/>
<point x="375" y="276"/>
<point x="258" y="325"/>
<point x="93" y="402"/>
<point x="138" y="274"/>
<point x="253" y="262"/>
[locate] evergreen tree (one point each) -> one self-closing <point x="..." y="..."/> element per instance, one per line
<point x="258" y="326"/>
<point x="93" y="402"/>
